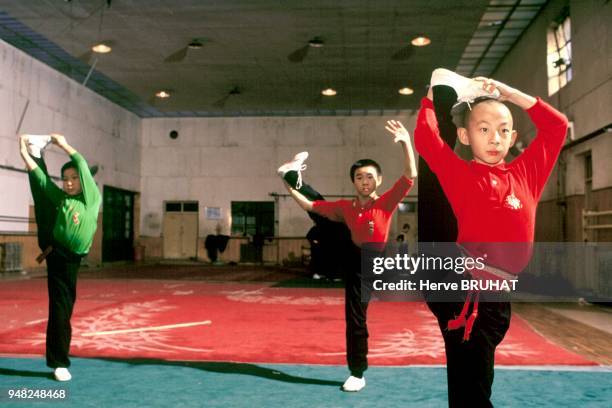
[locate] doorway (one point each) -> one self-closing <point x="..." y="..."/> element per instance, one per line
<point x="180" y="229"/>
<point x="117" y="225"/>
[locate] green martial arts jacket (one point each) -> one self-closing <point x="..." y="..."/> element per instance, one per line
<point x="77" y="217"/>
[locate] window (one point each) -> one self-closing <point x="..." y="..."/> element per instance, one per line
<point x="588" y="182"/>
<point x="588" y="167"/>
<point x="178" y="206"/>
<point x="559" y="53"/>
<point x="190" y="207"/>
<point x="173" y="207"/>
<point x="253" y="217"/>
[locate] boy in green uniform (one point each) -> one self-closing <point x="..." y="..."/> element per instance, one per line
<point x="67" y="220"/>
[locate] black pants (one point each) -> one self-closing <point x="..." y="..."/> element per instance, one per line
<point x="470" y="365"/>
<point x="62" y="269"/>
<point x="336" y="238"/>
<point x="356" y="300"/>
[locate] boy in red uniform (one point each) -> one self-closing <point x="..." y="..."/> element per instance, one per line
<point x="494" y="202"/>
<point x="368" y="218"/>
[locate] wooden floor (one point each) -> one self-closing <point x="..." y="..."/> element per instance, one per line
<point x="580" y="338"/>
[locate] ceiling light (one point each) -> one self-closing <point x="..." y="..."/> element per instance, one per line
<point x="316" y="42"/>
<point x="195" y="44"/>
<point x="420" y="41"/>
<point x="163" y="94"/>
<point x="329" y="92"/>
<point x="406" y="91"/>
<point x="101" y="48"/>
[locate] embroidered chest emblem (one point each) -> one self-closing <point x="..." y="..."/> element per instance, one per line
<point x="371" y="227"/>
<point x="75" y="218"/>
<point x="513" y="202"/>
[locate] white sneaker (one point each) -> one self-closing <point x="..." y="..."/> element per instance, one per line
<point x="316" y="276"/>
<point x="353" y="384"/>
<point x="36" y="143"/>
<point x="62" y="374"/>
<point x="467" y="89"/>
<point x="297" y="164"/>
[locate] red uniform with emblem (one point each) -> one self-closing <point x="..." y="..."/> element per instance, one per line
<point x="495" y="206"/>
<point x="369" y="222"/>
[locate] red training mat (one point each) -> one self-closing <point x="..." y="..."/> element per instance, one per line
<point x="248" y="323"/>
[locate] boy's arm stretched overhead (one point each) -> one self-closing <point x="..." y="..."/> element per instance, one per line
<point x="507" y="93"/>
<point x="428" y="142"/>
<point x="402" y="136"/>
<point x="442" y="160"/>
<point x="539" y="158"/>
<point x="400" y="189"/>
<point x="51" y="190"/>
<point x="23" y="150"/>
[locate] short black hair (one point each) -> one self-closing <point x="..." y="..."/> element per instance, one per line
<point x="69" y="165"/>
<point x="363" y="163"/>
<point x="461" y="112"/>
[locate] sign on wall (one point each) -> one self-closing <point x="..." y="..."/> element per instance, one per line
<point x="213" y="213"/>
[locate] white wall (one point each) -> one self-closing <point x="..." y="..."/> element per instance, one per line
<point x="601" y="153"/>
<point x="219" y="160"/>
<point x="103" y="132"/>
<point x="214" y="161"/>
<point x="586" y="99"/>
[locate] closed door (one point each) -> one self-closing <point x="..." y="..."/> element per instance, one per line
<point x="180" y="230"/>
<point x="173" y="223"/>
<point x="117" y="225"/>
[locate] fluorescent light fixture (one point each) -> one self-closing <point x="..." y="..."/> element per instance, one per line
<point x="195" y="44"/>
<point x="316" y="42"/>
<point x="420" y="41"/>
<point x="163" y="94"/>
<point x="329" y="92"/>
<point x="406" y="91"/>
<point x="101" y="48"/>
